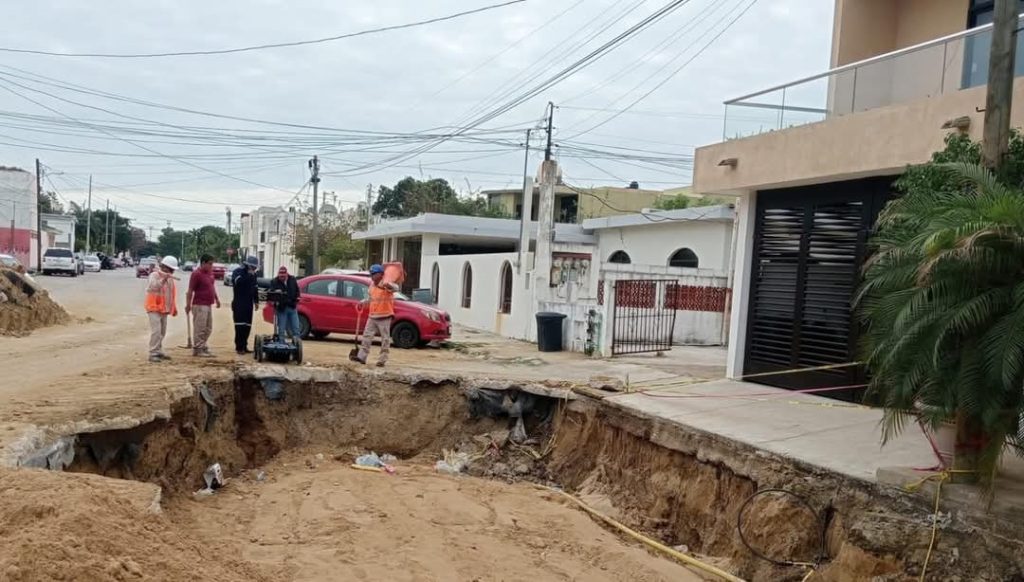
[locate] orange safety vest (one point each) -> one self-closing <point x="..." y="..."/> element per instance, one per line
<point x="382" y="302"/>
<point x="160" y="301"/>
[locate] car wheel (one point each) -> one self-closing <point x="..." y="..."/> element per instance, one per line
<point x="405" y="335"/>
<point x="320" y="334"/>
<point x="257" y="348"/>
<point x="297" y="355"/>
<point x="74" y="273"/>
<point x="304" y="328"/>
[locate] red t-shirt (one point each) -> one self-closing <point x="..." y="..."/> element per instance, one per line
<point x="203" y="287"/>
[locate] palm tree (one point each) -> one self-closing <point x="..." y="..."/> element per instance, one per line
<point x="942" y="305"/>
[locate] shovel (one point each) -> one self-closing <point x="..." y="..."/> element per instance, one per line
<point x="353" y="354"/>
<point x="188" y="323"/>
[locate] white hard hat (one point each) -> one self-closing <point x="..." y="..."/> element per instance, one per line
<point x="170" y="262"/>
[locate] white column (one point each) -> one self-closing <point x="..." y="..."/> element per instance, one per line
<point x="741" y="285"/>
<point x="545" y="228"/>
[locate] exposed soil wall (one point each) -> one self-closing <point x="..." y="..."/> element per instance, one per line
<point x="687" y="488"/>
<point x="682" y="486"/>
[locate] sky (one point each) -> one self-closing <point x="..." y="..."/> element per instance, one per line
<point x="376" y="108"/>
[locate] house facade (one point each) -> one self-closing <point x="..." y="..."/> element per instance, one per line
<point x="574" y="205"/>
<point x="812" y="163"/>
<point x="18" y="220"/>
<point x="491" y="274"/>
<point x="267" y="233"/>
<point x="62" y="231"/>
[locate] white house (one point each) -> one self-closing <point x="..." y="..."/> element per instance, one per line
<point x="268" y="234"/>
<point x="18" y="221"/>
<point x="672" y="260"/>
<point x="62" y="229"/>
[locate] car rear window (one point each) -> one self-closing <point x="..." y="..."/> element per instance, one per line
<point x="62" y="253"/>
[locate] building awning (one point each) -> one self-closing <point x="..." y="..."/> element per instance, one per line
<point x="721" y="213"/>
<point x="468" y="226"/>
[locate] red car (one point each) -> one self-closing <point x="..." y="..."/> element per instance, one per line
<point x="218" y="271"/>
<point x="330" y="304"/>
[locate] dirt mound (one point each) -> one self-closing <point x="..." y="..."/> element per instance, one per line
<point x="24" y="306"/>
<point x="61" y="526"/>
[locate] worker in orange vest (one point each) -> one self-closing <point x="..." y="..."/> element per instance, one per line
<point x="161" y="301"/>
<point x="382" y="311"/>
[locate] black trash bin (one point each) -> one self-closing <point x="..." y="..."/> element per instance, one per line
<point x="549" y="331"/>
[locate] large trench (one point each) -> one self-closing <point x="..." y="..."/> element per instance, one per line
<point x="678" y="486"/>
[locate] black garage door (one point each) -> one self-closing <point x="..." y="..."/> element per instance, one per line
<point x="809" y="247"/>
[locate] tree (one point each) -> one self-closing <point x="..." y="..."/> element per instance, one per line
<point x="942" y="303"/>
<point x="411" y="197"/>
<point x="335" y="243"/>
<point x="120" y="228"/>
<point x="680" y="201"/>
<point x="50" y="204"/>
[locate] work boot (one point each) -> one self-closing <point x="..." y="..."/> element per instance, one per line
<point x="164" y="357"/>
<point x="380" y="364"/>
<point x="155" y="359"/>
<point x="204" y="355"/>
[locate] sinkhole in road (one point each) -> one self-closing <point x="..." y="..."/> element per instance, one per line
<point x="287" y="447"/>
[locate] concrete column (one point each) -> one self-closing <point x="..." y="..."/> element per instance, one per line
<point x="605" y="338"/>
<point x="524" y="228"/>
<point x="741" y="285"/>
<point x="429" y="250"/>
<point x="545" y="228"/>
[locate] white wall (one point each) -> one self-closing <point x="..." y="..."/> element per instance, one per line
<point x="483" y="312"/>
<point x="701" y="328"/>
<point x="653" y="244"/>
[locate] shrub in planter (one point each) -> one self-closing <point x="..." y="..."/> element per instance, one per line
<point x="942" y="306"/>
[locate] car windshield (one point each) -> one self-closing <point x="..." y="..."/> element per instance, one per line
<point x="8" y="261"/>
<point x="92" y="259"/>
<point x="61" y="253"/>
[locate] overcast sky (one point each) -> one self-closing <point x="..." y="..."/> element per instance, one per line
<point x="397" y="82"/>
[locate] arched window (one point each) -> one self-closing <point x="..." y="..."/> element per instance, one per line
<point x="435" y="282"/>
<point x="467" y="285"/>
<point x="683" y="258"/>
<point x="619" y="257"/>
<point x="505" y="299"/>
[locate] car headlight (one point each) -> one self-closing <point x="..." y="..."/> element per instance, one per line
<point x="432" y="316"/>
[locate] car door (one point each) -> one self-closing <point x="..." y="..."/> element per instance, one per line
<point x="353" y="292"/>
<point x="319" y="302"/>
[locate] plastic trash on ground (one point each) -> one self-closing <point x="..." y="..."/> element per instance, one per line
<point x="372" y="459"/>
<point x="214" y="478"/>
<point x="452" y="463"/>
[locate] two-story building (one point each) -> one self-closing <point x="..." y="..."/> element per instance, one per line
<point x="268" y="233"/>
<point x="813" y="160"/>
<point x="574" y="205"/>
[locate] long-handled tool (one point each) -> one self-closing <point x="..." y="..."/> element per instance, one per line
<point x="353" y="354"/>
<point x="188" y="328"/>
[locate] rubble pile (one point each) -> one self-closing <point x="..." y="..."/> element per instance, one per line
<point x="24" y="306"/>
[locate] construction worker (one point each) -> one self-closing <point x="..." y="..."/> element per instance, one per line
<point x="382" y="311"/>
<point x="246" y="300"/>
<point x="199" y="302"/>
<point x="287" y="308"/>
<point x="161" y="301"/>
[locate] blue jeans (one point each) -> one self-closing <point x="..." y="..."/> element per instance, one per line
<point x="287" y="322"/>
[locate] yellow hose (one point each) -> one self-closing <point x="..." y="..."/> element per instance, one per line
<point x="681" y="557"/>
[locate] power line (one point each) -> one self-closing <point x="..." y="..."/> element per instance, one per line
<point x="261" y="46"/>
<point x="673" y="73"/>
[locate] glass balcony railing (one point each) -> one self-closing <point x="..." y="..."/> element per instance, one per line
<point x="937" y="67"/>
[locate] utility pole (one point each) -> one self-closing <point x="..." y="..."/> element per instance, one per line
<point x="369" y="195"/>
<point x="314" y="168"/>
<point x="113" y="234"/>
<point x="14" y="213"/>
<point x="999" y="94"/>
<point x="106" y="224"/>
<point x="182" y="255"/>
<point x="39" y="216"/>
<point x="551" y="119"/>
<point x="88" y="220"/>
<point x="228" y="208"/>
<point x="526" y="208"/>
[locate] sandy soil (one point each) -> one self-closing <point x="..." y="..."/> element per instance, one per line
<point x="320" y="520"/>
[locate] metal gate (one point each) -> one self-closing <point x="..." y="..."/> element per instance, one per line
<point x="641" y="320"/>
<point x="809" y="247"/>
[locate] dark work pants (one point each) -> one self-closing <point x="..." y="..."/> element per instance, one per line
<point x="242" y="315"/>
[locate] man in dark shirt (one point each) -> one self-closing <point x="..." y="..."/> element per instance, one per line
<point x="246" y="300"/>
<point x="202" y="296"/>
<point x="287" y="307"/>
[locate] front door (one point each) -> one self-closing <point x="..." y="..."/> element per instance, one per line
<point x="809" y="248"/>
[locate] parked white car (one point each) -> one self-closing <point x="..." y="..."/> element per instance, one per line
<point x="59" y="261"/>
<point x="92" y="263"/>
